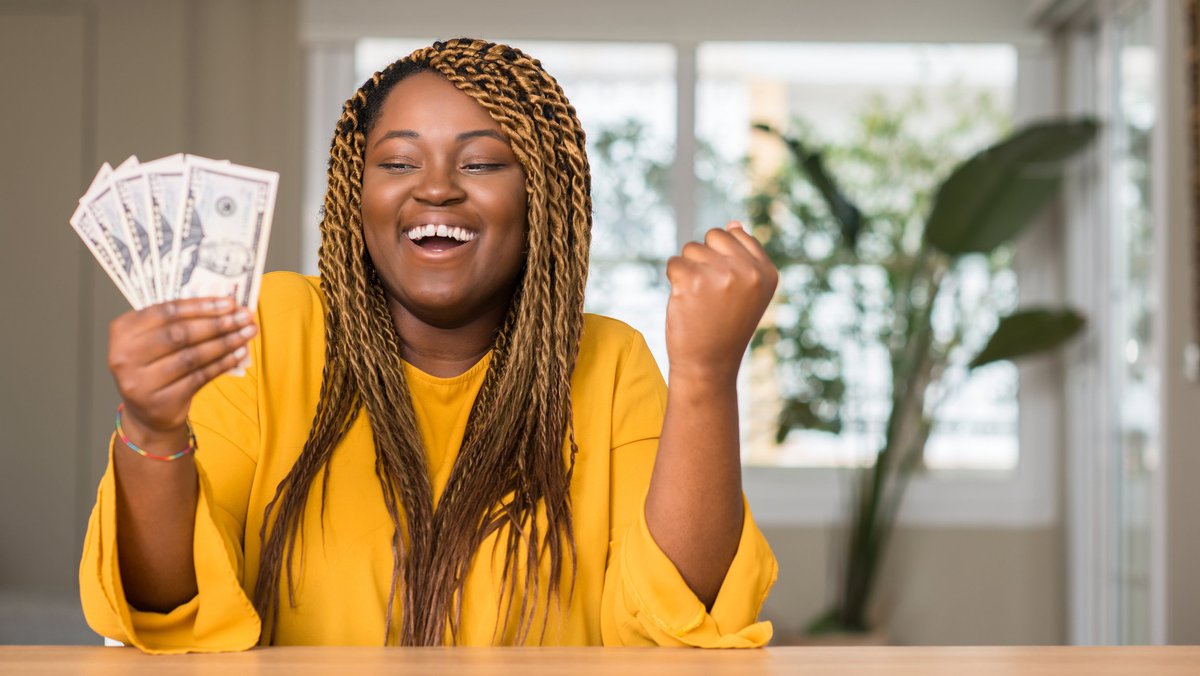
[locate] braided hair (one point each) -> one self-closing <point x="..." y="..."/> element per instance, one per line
<point x="518" y="451"/>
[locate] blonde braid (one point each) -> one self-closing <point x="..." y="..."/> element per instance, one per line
<point x="520" y="422"/>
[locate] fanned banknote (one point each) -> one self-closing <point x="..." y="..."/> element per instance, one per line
<point x="180" y="226"/>
<point x="222" y="244"/>
<point x="97" y="242"/>
<point x="134" y="195"/>
<point x="101" y="205"/>
<point x="164" y="183"/>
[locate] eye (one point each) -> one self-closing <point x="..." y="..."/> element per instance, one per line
<point x="483" y="167"/>
<point x="397" y="166"/>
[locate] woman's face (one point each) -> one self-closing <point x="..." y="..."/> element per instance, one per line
<point x="443" y="204"/>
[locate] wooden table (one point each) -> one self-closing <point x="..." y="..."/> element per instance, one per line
<point x="1050" y="661"/>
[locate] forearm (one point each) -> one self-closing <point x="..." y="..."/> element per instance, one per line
<point x="156" y="513"/>
<point x="694" y="505"/>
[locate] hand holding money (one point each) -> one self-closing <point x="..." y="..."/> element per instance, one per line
<point x="180" y="227"/>
<point x="161" y="355"/>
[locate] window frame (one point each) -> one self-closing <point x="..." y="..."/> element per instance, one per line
<point x="1088" y="33"/>
<point x="1025" y="498"/>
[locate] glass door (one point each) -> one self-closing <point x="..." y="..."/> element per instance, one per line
<point x="1114" y="242"/>
<point x="1137" y="347"/>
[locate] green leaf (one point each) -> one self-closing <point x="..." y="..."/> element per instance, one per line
<point x="801" y="414"/>
<point x="989" y="199"/>
<point x="845" y="212"/>
<point x="1028" y="331"/>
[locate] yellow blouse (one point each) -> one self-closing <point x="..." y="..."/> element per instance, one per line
<point x="250" y="431"/>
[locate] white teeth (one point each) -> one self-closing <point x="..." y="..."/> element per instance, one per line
<point x="431" y="230"/>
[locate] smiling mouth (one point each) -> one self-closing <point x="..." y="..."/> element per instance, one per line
<point x="438" y="237"/>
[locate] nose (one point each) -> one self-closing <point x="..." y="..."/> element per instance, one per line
<point x="438" y="184"/>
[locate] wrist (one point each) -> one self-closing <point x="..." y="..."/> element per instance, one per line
<point x="703" y="377"/>
<point x="141" y="436"/>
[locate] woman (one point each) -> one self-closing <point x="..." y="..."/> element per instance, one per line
<point x="432" y="443"/>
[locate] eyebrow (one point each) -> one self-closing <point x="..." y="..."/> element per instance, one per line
<point x="465" y="136"/>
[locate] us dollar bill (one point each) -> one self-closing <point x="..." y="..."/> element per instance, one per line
<point x="134" y="194"/>
<point x="164" y="179"/>
<point x="103" y="206"/>
<point x="223" y="231"/>
<point x="95" y="240"/>
<point x="138" y="235"/>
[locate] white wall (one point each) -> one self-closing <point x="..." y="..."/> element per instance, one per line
<point x="682" y="20"/>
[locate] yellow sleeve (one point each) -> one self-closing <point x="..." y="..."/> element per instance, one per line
<point x="220" y="617"/>
<point x="645" y="600"/>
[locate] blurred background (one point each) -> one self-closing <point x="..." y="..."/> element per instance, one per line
<point x="1051" y="501"/>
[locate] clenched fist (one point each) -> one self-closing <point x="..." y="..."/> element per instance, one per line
<point x="719" y="292"/>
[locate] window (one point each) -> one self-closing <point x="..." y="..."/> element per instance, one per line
<point x="669" y="139"/>
<point x="888" y="114"/>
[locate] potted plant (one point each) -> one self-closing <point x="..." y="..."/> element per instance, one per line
<point x="899" y="274"/>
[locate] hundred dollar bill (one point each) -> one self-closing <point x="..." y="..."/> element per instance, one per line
<point x="85" y="226"/>
<point x="224" y="228"/>
<point x="134" y="194"/>
<point x="164" y="179"/>
<point x="102" y="204"/>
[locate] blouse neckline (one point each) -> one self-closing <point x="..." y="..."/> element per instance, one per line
<point x="468" y="376"/>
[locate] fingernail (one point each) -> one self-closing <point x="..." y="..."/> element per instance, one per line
<point x="223" y="304"/>
<point x="247" y="331"/>
<point x="243" y="316"/>
<point x="240" y="352"/>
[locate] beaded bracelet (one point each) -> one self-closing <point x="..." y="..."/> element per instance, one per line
<point x="125" y="440"/>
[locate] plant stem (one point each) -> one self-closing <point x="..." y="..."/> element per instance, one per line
<point x="873" y="516"/>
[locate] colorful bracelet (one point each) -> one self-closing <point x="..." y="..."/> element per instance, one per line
<point x="125" y="440"/>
